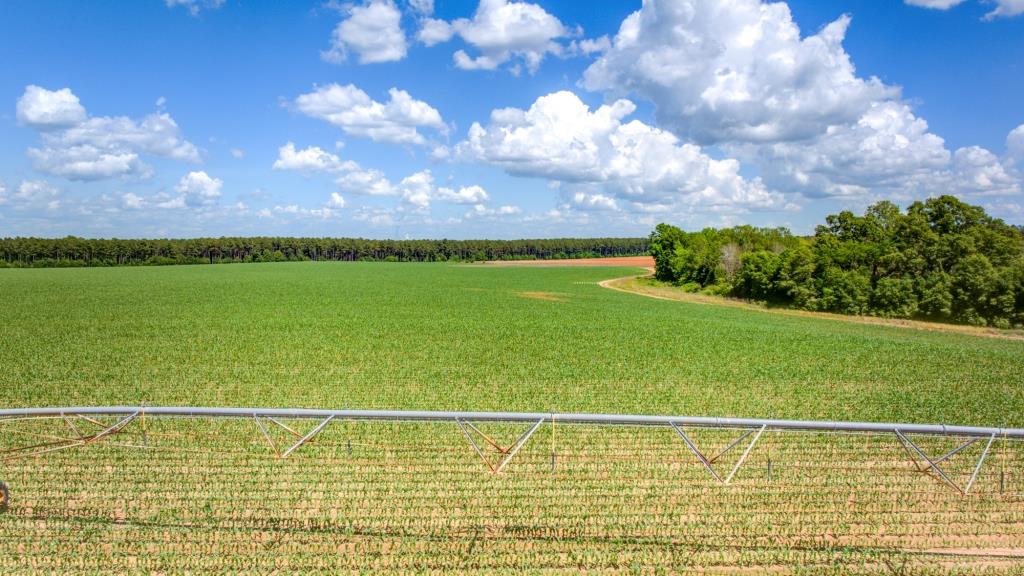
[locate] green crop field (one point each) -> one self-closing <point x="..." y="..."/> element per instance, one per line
<point x="211" y="496"/>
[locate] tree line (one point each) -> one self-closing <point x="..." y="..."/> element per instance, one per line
<point x="73" y="251"/>
<point x="941" y="259"/>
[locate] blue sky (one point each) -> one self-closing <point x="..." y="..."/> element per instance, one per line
<point x="490" y="118"/>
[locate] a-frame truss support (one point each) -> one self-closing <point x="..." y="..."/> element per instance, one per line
<point x="708" y="463"/>
<point x="61" y="443"/>
<point x="298" y="444"/>
<point x="507" y="453"/>
<point x="915" y="452"/>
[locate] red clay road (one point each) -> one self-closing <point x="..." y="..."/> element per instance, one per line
<point x="623" y="261"/>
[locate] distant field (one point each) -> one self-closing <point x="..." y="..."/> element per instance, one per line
<point x="436" y="336"/>
<point x="415" y="498"/>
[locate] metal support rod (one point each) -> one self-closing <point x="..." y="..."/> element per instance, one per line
<point x="957" y="450"/>
<point x="931" y="464"/>
<point x="519" y="444"/>
<point x="472" y="442"/>
<point x="910" y="454"/>
<point x="745" y="454"/>
<point x="974" y="475"/>
<point x="487" y="438"/>
<point x="71" y="425"/>
<point x="307" y="437"/>
<point x="529" y="417"/>
<point x="730" y="446"/>
<point x="696" y="452"/>
<point x="290" y="430"/>
<point x="70" y="443"/>
<point x="266" y="436"/>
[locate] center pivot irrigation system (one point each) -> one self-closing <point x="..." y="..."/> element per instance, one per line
<point x="751" y="428"/>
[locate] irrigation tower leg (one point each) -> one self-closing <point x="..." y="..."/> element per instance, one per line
<point x="507" y="453"/>
<point x="933" y="463"/>
<point x="266" y="435"/>
<point x="708" y="462"/>
<point x="312" y="433"/>
<point x="974" y="475"/>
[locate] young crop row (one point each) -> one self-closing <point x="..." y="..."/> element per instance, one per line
<point x="205" y="496"/>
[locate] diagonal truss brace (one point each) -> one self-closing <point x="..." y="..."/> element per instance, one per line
<point x="65" y="443"/>
<point x="933" y="463"/>
<point x="309" y="436"/>
<point x="507" y="453"/>
<point x="708" y="462"/>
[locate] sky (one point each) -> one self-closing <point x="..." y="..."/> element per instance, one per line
<point x="499" y="119"/>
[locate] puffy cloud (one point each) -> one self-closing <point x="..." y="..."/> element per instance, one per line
<point x="329" y="209"/>
<point x="366" y="181"/>
<point x="335" y="201"/>
<point x="500" y="31"/>
<point x="237" y="153"/>
<point x="132" y="201"/>
<point x="464" y="195"/>
<point x="194" y="6"/>
<point x="31" y="194"/>
<point x="310" y="159"/>
<point x="888" y="150"/>
<point x="46" y="109"/>
<point x="373" y="30"/>
<point x="561" y="139"/>
<point x="79" y="147"/>
<point x="978" y="171"/>
<point x="725" y="70"/>
<point x="416" y="191"/>
<point x="935" y="4"/>
<point x="481" y="211"/>
<point x="589" y="46"/>
<point x="422" y="6"/>
<point x="584" y="201"/>
<point x="35" y="191"/>
<point x="1015" y="144"/>
<point x="1004" y="8"/>
<point x="888" y="147"/>
<point x="351" y="109"/>
<point x="195" y="190"/>
<point x="433" y="31"/>
<point x="738" y="74"/>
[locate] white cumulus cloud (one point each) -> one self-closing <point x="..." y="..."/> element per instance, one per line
<point x="561" y="139"/>
<point x="47" y="109"/>
<point x="500" y="31"/>
<point x="79" y="147"/>
<point x="723" y="70"/>
<point x="738" y="74"/>
<point x="397" y="121"/>
<point x="1003" y="9"/>
<point x="195" y="190"/>
<point x="373" y="30"/>
<point x="1015" y="144"/>
<point x="194" y="6"/>
<point x="309" y="159"/>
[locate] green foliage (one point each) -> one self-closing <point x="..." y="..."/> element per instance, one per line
<point x="942" y="260"/>
<point x="72" y="251"/>
<point x="211" y="497"/>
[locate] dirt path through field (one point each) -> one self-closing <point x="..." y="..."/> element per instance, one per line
<point x="618" y="261"/>
<point x="635" y="285"/>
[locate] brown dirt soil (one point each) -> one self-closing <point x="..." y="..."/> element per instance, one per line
<point x="638" y="261"/>
<point x="547" y="296"/>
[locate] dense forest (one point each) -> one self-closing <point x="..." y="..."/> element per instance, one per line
<point x="942" y="259"/>
<point x="72" y="251"/>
